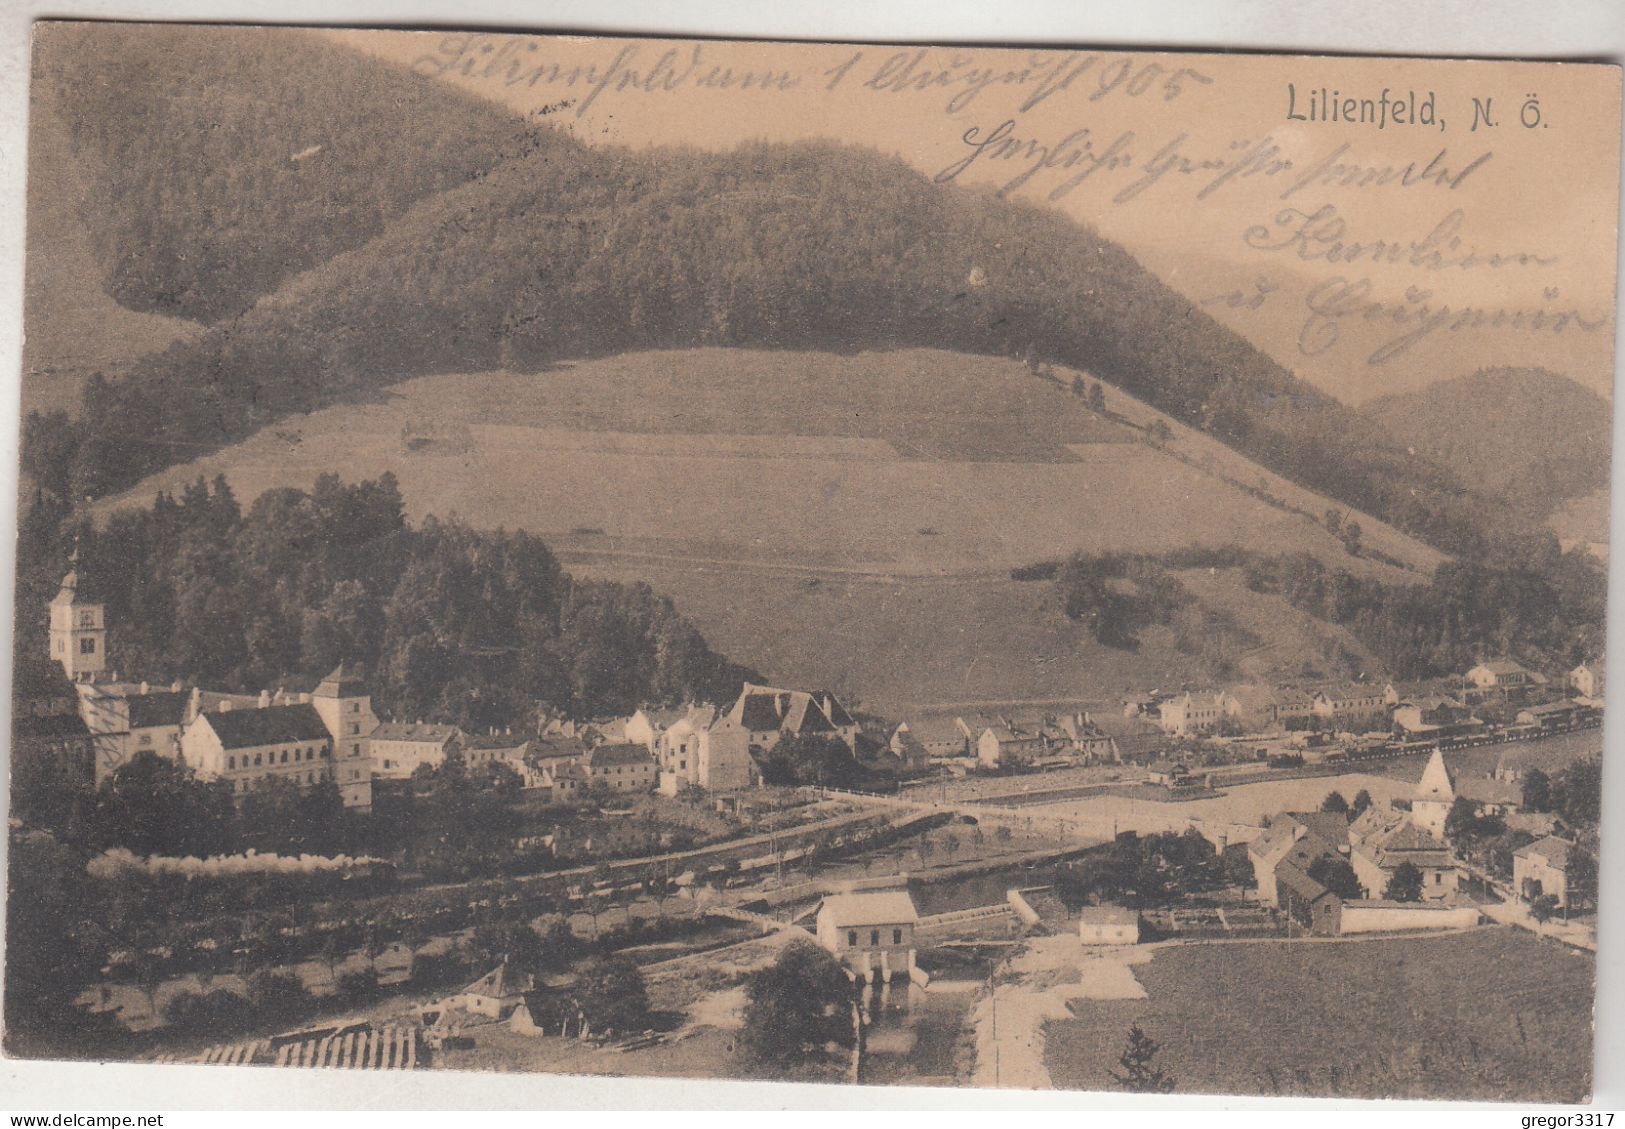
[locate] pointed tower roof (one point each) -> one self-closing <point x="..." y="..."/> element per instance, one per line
<point x="343" y="682"/>
<point x="1436" y="783"/>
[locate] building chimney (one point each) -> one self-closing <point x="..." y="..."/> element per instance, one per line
<point x="146" y="688"/>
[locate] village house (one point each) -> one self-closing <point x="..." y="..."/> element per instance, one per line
<point x="1170" y="774"/>
<point x="1589" y="680"/>
<point x="909" y="750"/>
<point x="1553" y="715"/>
<point x="400" y="747"/>
<point x="1108" y="925"/>
<point x="942" y="737"/>
<point x="1382" y="839"/>
<point x="1432" y="715"/>
<point x="1298" y="837"/>
<point x="871" y="933"/>
<point x="704" y="749"/>
<point x="1192" y="712"/>
<point x="1498" y="674"/>
<point x="127" y="718"/>
<point x="1253" y="708"/>
<point x="1086" y="737"/>
<point x="767" y="714"/>
<point x="494" y="995"/>
<point x="1306" y="901"/>
<point x="1000" y="745"/>
<point x="481" y="750"/>
<point x="246" y="746"/>
<point x="647" y="725"/>
<point x="1350" y="705"/>
<point x="620" y="768"/>
<point x="1294" y="708"/>
<point x="1541" y="868"/>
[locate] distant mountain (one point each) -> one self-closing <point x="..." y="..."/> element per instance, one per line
<point x="524" y="247"/>
<point x="1528" y="435"/>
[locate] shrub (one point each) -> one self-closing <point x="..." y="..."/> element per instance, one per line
<point x="359" y="985"/>
<point x="217" y="1014"/>
<point x="280" y="997"/>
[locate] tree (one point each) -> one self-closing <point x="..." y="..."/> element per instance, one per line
<point x="1582" y="878"/>
<point x="1097" y="398"/>
<point x="611" y="993"/>
<point x="798" y="1005"/>
<point x="1362" y="801"/>
<point x="1334" y="801"/>
<point x="1139" y="1074"/>
<point x="1577" y="793"/>
<point x="1537" y="791"/>
<point x="1337" y="876"/>
<point x="1543" y="908"/>
<point x="1350" y="536"/>
<point x="1404" y="884"/>
<point x="1077" y="390"/>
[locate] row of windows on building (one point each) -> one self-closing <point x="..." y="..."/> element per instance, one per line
<point x="245" y="784"/>
<point x="259" y="758"/>
<point x="874" y="937"/>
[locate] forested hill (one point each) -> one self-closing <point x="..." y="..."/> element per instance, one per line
<point x="1527" y="434"/>
<point x="563" y="251"/>
<point x="224" y="161"/>
<point x="463" y="625"/>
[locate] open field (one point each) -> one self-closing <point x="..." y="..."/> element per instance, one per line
<point x="912" y="461"/>
<point x="1243" y="803"/>
<point x="879" y="500"/>
<point x="1491" y="1014"/>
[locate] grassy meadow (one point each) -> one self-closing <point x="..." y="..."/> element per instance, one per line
<point x="1493" y="1014"/>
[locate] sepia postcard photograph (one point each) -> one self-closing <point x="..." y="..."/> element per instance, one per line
<point x="871" y="565"/>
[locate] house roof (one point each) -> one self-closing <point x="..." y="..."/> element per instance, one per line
<point x="273" y="725"/>
<point x="1108" y="915"/>
<point x="611" y="755"/>
<point x="804" y="715"/>
<point x="758" y="712"/>
<point x="1347" y="691"/>
<point x="833" y="709"/>
<point x="1551" y="709"/>
<point x="1252" y="697"/>
<point x="343" y="682"/>
<point x="1332" y="827"/>
<point x="881" y="907"/>
<point x="1554" y="850"/>
<point x="499" y="983"/>
<point x="167" y="707"/>
<point x="1296" y="879"/>
<point x="663" y="718"/>
<point x="1501" y="666"/>
<point x="430" y="733"/>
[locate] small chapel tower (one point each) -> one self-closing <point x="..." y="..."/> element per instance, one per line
<point x="78" y="629"/>
<point x="1435" y="795"/>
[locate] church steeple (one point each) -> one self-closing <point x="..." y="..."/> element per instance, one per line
<point x="78" y="627"/>
<point x="1435" y="795"/>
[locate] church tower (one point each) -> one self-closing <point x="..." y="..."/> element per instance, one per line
<point x="78" y="630"/>
<point x="1435" y="794"/>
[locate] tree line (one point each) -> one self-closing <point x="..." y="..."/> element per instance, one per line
<point x="477" y="628"/>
